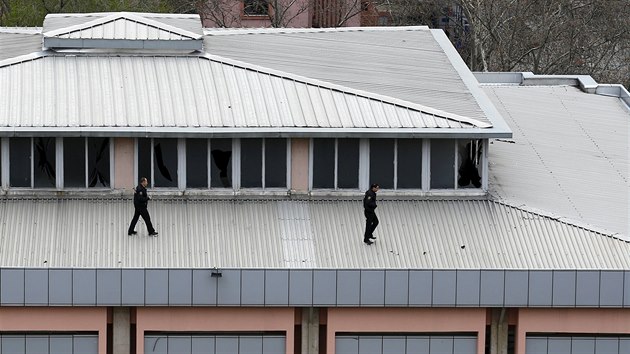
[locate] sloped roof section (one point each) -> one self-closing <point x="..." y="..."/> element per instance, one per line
<point x="171" y="93"/>
<point x="123" y="30"/>
<point x="19" y="41"/>
<point x="289" y="234"/>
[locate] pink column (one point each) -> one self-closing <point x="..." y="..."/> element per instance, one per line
<point x="406" y="320"/>
<point x="299" y="165"/>
<point x="214" y="319"/>
<point x="123" y="163"/>
<point x="570" y="321"/>
<point x="27" y="319"/>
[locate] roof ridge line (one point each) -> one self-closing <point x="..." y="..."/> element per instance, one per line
<point x="123" y="15"/>
<point x="218" y="31"/>
<point x="562" y="219"/>
<point x="357" y="92"/>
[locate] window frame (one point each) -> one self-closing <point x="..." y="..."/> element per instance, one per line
<point x="245" y="15"/>
<point x="311" y="161"/>
<point x="61" y="166"/>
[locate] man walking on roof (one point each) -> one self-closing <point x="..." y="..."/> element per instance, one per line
<point x="140" y="203"/>
<point x="371" y="221"/>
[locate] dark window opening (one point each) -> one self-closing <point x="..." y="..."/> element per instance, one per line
<point x="74" y="162"/>
<point x="348" y="163"/>
<point x="323" y="163"/>
<point x="196" y="163"/>
<point x="442" y="164"/>
<point x="275" y="163"/>
<point x="469" y="153"/>
<point x="98" y="163"/>
<point x="255" y="7"/>
<point x="409" y="164"/>
<point x="251" y="163"/>
<point x="382" y="162"/>
<point x="165" y="162"/>
<point x="144" y="158"/>
<point x="44" y="169"/>
<point x="221" y="167"/>
<point x="20" y="162"/>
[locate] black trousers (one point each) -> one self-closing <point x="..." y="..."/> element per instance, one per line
<point x="145" y="216"/>
<point x="371" y="222"/>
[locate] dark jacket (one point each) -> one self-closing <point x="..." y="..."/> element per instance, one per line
<point x="140" y="197"/>
<point x="369" y="201"/>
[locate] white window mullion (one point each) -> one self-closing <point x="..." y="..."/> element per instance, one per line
<point x="236" y="165"/>
<point x="456" y="172"/>
<point x="311" y="145"/>
<point x="426" y="164"/>
<point x="181" y="163"/>
<point x="112" y="165"/>
<point x="364" y="164"/>
<point x="59" y="163"/>
<point x="6" y="175"/>
<point x="289" y="166"/>
<point x="336" y="162"/>
<point x="484" y="164"/>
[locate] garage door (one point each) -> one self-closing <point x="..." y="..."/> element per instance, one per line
<point x="577" y="345"/>
<point x="214" y="344"/>
<point x="406" y="344"/>
<point x="48" y="344"/>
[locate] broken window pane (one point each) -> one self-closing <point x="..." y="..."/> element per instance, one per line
<point x="221" y="167"/>
<point x="98" y="163"/>
<point x="348" y="163"/>
<point x="44" y="167"/>
<point x="323" y="163"/>
<point x="165" y="162"/>
<point x="469" y="170"/>
<point x="196" y="163"/>
<point x="382" y="162"/>
<point x="442" y="163"/>
<point x="251" y="163"/>
<point x="20" y="162"/>
<point x="275" y="163"/>
<point x="144" y="159"/>
<point x="409" y="163"/>
<point x="74" y="162"/>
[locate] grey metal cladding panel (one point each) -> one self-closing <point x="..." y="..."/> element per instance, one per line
<point x="540" y="288"/>
<point x="12" y="287"/>
<point x="109" y="283"/>
<point x="606" y="345"/>
<point x="204" y="287"/>
<point x="85" y="344"/>
<point x="626" y="287"/>
<point x="587" y="288"/>
<point x="420" y="287"/>
<point x="396" y="287"/>
<point x="611" y="288"/>
<point x="229" y="288"/>
<point x="624" y="345"/>
<point x="464" y="345"/>
<point x="559" y="345"/>
<point x="252" y="287"/>
<point x="347" y="345"/>
<point x="492" y="283"/>
<point x="418" y="344"/>
<point x="177" y="344"/>
<point x="277" y="287"/>
<point x="274" y="344"/>
<point x="36" y="287"/>
<point x="60" y="287"/>
<point x="394" y="344"/>
<point x="226" y="345"/>
<point x="132" y="287"/>
<point x="585" y="345"/>
<point x="563" y="288"/>
<point x="180" y="287"/>
<point x="440" y="345"/>
<point x="156" y="287"/>
<point x="202" y="345"/>
<point x="324" y="287"/>
<point x="300" y="287"/>
<point x="250" y="345"/>
<point x="516" y="287"/>
<point x="13" y="344"/>
<point x="37" y="344"/>
<point x="348" y="287"/>
<point x="468" y="282"/>
<point x="536" y="345"/>
<point x="84" y="286"/>
<point x="444" y="287"/>
<point x="370" y="344"/>
<point x="60" y="344"/>
<point x="372" y="287"/>
<point x="156" y="344"/>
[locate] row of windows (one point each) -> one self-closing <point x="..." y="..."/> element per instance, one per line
<point x="255" y="163"/>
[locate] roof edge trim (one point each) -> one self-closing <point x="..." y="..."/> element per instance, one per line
<point x="209" y="31"/>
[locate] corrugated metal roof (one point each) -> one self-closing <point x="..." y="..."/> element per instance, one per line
<point x="568" y="155"/>
<point x="14" y="43"/>
<point x="190" y="92"/>
<point x="406" y="63"/>
<point x="413" y="234"/>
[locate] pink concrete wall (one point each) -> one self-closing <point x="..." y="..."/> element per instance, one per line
<point x="570" y="321"/>
<point x="299" y="164"/>
<point x="123" y="163"/>
<point x="213" y="319"/>
<point x="93" y="319"/>
<point x="405" y="320"/>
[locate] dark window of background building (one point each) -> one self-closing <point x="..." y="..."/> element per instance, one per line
<point x="275" y="163"/>
<point x="409" y="164"/>
<point x="221" y="166"/>
<point x="98" y="163"/>
<point x="251" y="163"/>
<point x="347" y="163"/>
<point x="44" y="175"/>
<point x="382" y="162"/>
<point x="323" y="163"/>
<point x="196" y="163"/>
<point x="165" y="162"/>
<point x="255" y="7"/>
<point x="442" y="164"/>
<point x="74" y="162"/>
<point x="20" y="162"/>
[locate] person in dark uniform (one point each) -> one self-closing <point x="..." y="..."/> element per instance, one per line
<point x="140" y="203"/>
<point x="371" y="221"/>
